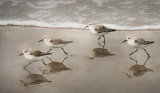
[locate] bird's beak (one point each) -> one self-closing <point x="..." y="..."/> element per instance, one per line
<point x="86" y="26"/>
<point x="124" y="41"/>
<point x="20" y="54"/>
<point x="40" y="40"/>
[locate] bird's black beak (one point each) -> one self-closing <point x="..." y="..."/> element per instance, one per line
<point x="86" y="26"/>
<point x="40" y="40"/>
<point x="124" y="41"/>
<point x="20" y="54"/>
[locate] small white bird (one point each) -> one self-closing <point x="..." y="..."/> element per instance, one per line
<point x="99" y="30"/>
<point x="34" y="55"/>
<point x="138" y="43"/>
<point x="55" y="43"/>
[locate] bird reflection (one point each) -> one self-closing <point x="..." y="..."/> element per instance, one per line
<point x="99" y="52"/>
<point x="137" y="69"/>
<point x="33" y="79"/>
<point x="54" y="67"/>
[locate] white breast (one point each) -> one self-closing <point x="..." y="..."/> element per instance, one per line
<point x="48" y="43"/>
<point x="92" y="29"/>
<point x="33" y="58"/>
<point x="132" y="43"/>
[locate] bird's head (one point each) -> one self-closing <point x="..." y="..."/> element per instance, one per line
<point x="128" y="38"/>
<point x="44" y="37"/>
<point x="90" y="24"/>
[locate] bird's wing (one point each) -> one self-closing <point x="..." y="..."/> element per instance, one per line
<point x="140" y="41"/>
<point x="101" y="28"/>
<point x="57" y="41"/>
<point x="37" y="53"/>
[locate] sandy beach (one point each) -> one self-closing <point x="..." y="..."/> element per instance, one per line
<point x="98" y="75"/>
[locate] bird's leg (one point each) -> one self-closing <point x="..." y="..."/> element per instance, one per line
<point x="27" y="65"/>
<point x="64" y="59"/>
<point x="133" y="52"/>
<point x="146" y="60"/>
<point x="64" y="51"/>
<point x="101" y="45"/>
<point x="27" y="70"/>
<point x="146" y="52"/>
<point x="49" y="58"/>
<point x="104" y="40"/>
<point x="99" y="38"/>
<point x="43" y="62"/>
<point x="133" y="59"/>
<point x="49" y="50"/>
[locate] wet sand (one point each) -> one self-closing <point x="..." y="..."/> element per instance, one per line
<point x="98" y="75"/>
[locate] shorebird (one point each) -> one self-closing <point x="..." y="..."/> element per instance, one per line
<point x="34" y="55"/>
<point x="137" y="69"/>
<point x="55" y="43"/>
<point x="99" y="30"/>
<point x="138" y="43"/>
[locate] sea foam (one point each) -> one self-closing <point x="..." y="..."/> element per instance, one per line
<point x="73" y="25"/>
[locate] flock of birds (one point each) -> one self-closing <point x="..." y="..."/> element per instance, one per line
<point x="100" y="30"/>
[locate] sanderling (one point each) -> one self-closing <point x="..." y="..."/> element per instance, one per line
<point x="34" y="55"/>
<point x="137" y="69"/>
<point x="55" y="43"/>
<point x="138" y="43"/>
<point x="100" y="30"/>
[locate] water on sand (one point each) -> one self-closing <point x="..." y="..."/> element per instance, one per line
<point x="98" y="75"/>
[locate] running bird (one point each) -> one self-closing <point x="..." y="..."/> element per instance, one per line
<point x="34" y="55"/>
<point x="55" y="43"/>
<point x="100" y="30"/>
<point x="138" y="43"/>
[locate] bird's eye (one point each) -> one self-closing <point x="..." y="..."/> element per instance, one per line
<point x="129" y="38"/>
<point x="90" y="24"/>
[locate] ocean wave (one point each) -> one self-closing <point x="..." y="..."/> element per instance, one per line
<point x="73" y="25"/>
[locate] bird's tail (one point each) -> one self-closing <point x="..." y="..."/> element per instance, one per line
<point x="149" y="42"/>
<point x="111" y="30"/>
<point x="48" y="54"/>
<point x="69" y="41"/>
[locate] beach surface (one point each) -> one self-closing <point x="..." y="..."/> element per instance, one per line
<point x="98" y="75"/>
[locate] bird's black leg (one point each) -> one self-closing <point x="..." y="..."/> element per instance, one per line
<point x="133" y="52"/>
<point x="146" y="60"/>
<point x="43" y="62"/>
<point x="49" y="58"/>
<point x="64" y="51"/>
<point x="99" y="38"/>
<point x="133" y="59"/>
<point x="27" y="71"/>
<point x="146" y="52"/>
<point x="64" y="59"/>
<point x="49" y="50"/>
<point x="27" y="65"/>
<point x="101" y="45"/>
<point x="104" y="40"/>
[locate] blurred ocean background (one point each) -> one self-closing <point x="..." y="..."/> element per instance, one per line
<point x="118" y="14"/>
